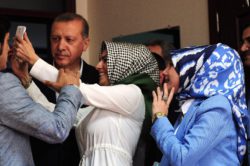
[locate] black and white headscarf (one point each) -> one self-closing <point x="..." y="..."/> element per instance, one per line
<point x="126" y="59"/>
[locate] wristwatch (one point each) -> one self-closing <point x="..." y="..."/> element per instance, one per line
<point x="157" y="115"/>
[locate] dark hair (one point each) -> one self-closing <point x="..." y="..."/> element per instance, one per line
<point x="243" y="28"/>
<point x="165" y="46"/>
<point x="4" y="28"/>
<point x="160" y="61"/>
<point x="65" y="17"/>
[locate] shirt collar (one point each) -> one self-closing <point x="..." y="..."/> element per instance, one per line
<point x="186" y="105"/>
<point x="81" y="67"/>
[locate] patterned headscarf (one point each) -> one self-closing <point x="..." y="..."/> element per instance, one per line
<point x="206" y="71"/>
<point x="133" y="64"/>
<point x="126" y="59"/>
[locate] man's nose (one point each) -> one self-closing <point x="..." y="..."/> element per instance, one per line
<point x="61" y="44"/>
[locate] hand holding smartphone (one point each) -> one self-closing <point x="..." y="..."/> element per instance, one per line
<point x="20" y="30"/>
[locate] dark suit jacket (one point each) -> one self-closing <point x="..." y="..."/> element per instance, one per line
<point x="67" y="153"/>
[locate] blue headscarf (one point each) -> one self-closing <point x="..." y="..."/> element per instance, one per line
<point x="210" y="70"/>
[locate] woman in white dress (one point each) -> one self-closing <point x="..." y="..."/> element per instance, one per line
<point x="109" y="134"/>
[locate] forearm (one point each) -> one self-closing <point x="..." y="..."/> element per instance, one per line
<point x="21" y="113"/>
<point x="35" y="93"/>
<point x="115" y="97"/>
<point x="55" y="127"/>
<point x="68" y="103"/>
<point x="43" y="71"/>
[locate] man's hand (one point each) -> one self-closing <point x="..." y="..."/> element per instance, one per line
<point x="65" y="77"/>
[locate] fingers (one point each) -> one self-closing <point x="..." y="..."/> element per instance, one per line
<point x="170" y="96"/>
<point x="53" y="85"/>
<point x="18" y="39"/>
<point x="154" y="96"/>
<point x="159" y="94"/>
<point x="26" y="38"/>
<point x="60" y="74"/>
<point x="6" y="37"/>
<point x="165" y="89"/>
<point x="163" y="95"/>
<point x="166" y="93"/>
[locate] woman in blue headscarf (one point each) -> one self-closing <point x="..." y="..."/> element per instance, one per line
<point x="209" y="82"/>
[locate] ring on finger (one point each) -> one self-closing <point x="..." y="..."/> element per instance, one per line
<point x="164" y="98"/>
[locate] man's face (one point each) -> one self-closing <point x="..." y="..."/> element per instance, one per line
<point x="245" y="47"/>
<point x="102" y="69"/>
<point x="67" y="43"/>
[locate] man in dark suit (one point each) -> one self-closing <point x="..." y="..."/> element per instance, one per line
<point x="69" y="39"/>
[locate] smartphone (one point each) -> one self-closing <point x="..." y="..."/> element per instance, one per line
<point x="20" y="30"/>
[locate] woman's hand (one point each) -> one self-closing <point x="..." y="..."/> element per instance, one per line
<point x="24" y="50"/>
<point x="161" y="101"/>
<point x="65" y="77"/>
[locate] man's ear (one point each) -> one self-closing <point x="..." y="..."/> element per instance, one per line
<point x="85" y="44"/>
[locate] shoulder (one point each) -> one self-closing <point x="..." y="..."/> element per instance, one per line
<point x="216" y="103"/>
<point x="129" y="92"/>
<point x="10" y="87"/>
<point x="8" y="77"/>
<point x="130" y="87"/>
<point x="125" y="89"/>
<point x="89" y="74"/>
<point x="89" y="67"/>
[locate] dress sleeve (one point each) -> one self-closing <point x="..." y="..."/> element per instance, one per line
<point x="43" y="71"/>
<point x="123" y="99"/>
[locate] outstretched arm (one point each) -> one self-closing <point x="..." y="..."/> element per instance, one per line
<point x="21" y="113"/>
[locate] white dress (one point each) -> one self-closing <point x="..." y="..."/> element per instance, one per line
<point x="108" y="135"/>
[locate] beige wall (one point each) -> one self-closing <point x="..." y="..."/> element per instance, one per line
<point x="110" y="18"/>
